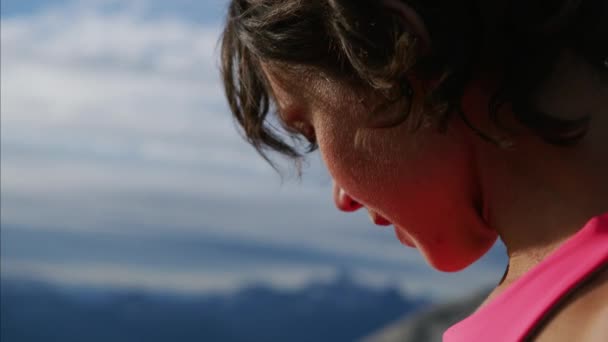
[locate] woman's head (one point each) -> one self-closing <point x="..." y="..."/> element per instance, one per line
<point x="387" y="91"/>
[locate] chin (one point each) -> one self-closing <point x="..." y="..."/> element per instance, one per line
<point x="456" y="259"/>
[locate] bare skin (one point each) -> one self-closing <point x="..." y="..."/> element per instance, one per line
<point x="583" y="317"/>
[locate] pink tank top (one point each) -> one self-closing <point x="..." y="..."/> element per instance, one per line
<point x="514" y="313"/>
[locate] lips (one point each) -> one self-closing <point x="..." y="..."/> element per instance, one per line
<point x="404" y="238"/>
<point x="402" y="235"/>
<point x="378" y="219"/>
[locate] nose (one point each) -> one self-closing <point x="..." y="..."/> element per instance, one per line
<point x="343" y="200"/>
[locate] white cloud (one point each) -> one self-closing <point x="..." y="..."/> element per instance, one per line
<point x="428" y="284"/>
<point x="112" y="76"/>
<point x="95" y="86"/>
<point x="191" y="282"/>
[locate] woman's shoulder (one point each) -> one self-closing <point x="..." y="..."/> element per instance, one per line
<point x="582" y="316"/>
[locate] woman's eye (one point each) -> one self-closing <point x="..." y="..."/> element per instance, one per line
<point x="302" y="129"/>
<point x="306" y="131"/>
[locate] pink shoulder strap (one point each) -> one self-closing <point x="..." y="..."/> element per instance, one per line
<point x="513" y="314"/>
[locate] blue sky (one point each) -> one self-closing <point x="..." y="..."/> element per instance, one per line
<point x="122" y="167"/>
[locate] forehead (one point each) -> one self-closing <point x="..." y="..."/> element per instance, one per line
<point x="304" y="87"/>
<point x="282" y="83"/>
<point x="294" y="80"/>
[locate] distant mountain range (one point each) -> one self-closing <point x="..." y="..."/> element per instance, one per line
<point x="341" y="310"/>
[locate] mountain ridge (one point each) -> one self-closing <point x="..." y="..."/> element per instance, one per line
<point x="338" y="310"/>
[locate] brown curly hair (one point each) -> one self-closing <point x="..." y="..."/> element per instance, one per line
<point x="364" y="44"/>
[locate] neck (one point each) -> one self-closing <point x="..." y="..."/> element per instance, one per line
<point x="537" y="195"/>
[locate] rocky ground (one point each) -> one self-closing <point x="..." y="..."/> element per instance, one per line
<point x="429" y="325"/>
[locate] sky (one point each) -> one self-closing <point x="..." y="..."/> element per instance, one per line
<point x="121" y="166"/>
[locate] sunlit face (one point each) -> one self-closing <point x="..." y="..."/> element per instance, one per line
<point x="424" y="183"/>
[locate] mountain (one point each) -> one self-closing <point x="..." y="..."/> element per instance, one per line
<point x="340" y="310"/>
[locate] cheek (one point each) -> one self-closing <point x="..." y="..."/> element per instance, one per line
<point x="386" y="169"/>
<point x="368" y="163"/>
<point x="423" y="183"/>
<point x="337" y="148"/>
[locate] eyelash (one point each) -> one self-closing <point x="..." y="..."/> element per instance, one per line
<point x="307" y="132"/>
<point x="313" y="146"/>
<point x="299" y="129"/>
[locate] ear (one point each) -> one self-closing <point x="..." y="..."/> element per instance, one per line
<point x="413" y="21"/>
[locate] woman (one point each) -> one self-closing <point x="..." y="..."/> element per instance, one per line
<point x="457" y="122"/>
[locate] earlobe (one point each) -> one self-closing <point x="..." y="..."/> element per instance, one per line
<point x="413" y="21"/>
